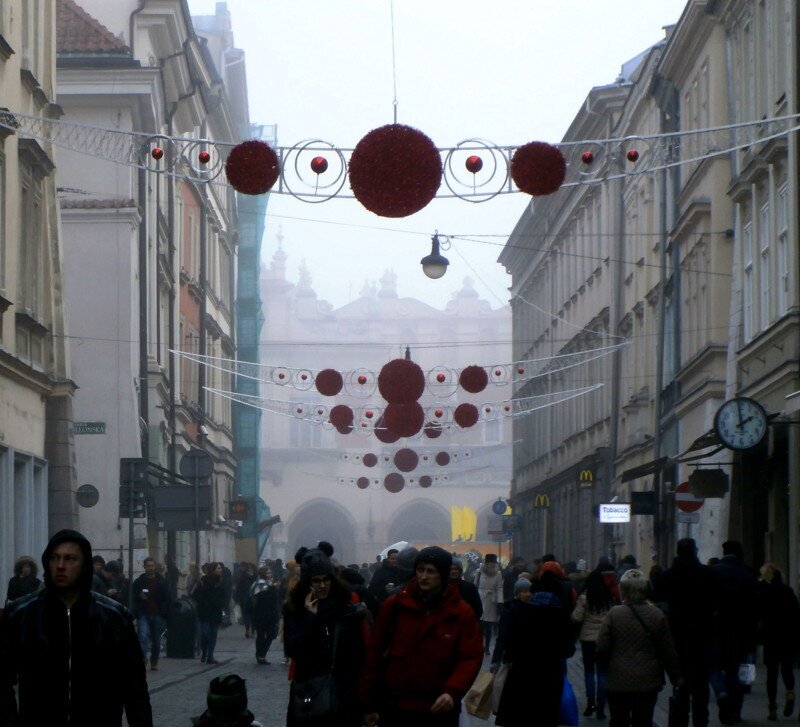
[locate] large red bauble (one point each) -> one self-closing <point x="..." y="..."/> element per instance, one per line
<point x="362" y="483"/>
<point x="341" y="416"/>
<point x="395" y="170"/>
<point x="442" y="459"/>
<point x="466" y="415"/>
<point x="405" y="420"/>
<point x="473" y="379"/>
<point x="394" y="482"/>
<point x="319" y="165"/>
<point x="369" y="459"/>
<point x="384" y="434"/>
<point x="425" y="481"/>
<point x="329" y="382"/>
<point x="252" y="167"/>
<point x="433" y="430"/>
<point x="538" y="168"/>
<point x="406" y="460"/>
<point x="474" y="164"/>
<point x="401" y="381"/>
<point x="345" y="429"/>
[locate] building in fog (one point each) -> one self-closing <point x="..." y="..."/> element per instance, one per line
<point x="309" y="472"/>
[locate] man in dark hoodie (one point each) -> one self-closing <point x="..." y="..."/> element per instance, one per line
<point x="73" y="653"/>
<point x="690" y="592"/>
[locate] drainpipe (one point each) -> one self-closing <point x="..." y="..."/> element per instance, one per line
<point x="171" y="454"/>
<point x="143" y="384"/>
<point x="203" y="334"/>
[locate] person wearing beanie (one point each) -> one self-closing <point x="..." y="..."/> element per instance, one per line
<point x="536" y="639"/>
<point x="227" y="704"/>
<point x="425" y="650"/>
<point x="324" y="632"/>
<point x="73" y="654"/>
<point x="468" y="591"/>
<point x="511" y="574"/>
<point x="386" y="577"/>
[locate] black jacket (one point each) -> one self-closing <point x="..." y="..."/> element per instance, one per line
<point x="75" y="667"/>
<point x="210" y="599"/>
<point x="737" y="615"/>
<point x="381" y="578"/>
<point x="469" y="593"/>
<point x="163" y="597"/>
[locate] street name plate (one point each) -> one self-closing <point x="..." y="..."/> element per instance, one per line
<point x="688" y="517"/>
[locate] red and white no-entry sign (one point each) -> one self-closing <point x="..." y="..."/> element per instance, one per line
<point x="685" y="500"/>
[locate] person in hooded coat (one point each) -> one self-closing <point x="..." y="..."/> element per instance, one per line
<point x="537" y="640"/>
<point x="324" y="633"/>
<point x="73" y="654"/>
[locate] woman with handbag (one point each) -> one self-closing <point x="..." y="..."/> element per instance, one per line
<point x="636" y="643"/>
<point x="324" y="636"/>
<point x="593" y="604"/>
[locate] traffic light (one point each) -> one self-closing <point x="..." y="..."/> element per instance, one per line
<point x="132" y="474"/>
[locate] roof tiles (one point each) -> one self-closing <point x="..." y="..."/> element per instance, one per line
<point x="78" y="33"/>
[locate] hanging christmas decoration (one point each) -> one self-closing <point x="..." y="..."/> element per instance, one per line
<point x="157" y="153"/>
<point x="538" y="168"/>
<point x="632" y="156"/>
<point x="395" y="170"/>
<point x="345" y="429"/>
<point x="406" y="460"/>
<point x="329" y="382"/>
<point x="341" y="416"/>
<point x="442" y="459"/>
<point x="404" y="420"/>
<point x="473" y="379"/>
<point x="466" y="415"/>
<point x="425" y="481"/>
<point x="319" y="165"/>
<point x="433" y="430"/>
<point x="401" y="381"/>
<point x="473" y="163"/>
<point x="252" y="167"/>
<point x="369" y="459"/>
<point x="587" y="158"/>
<point x="394" y="482"/>
<point x="362" y="483"/>
<point x="384" y="434"/>
<point x="204" y="157"/>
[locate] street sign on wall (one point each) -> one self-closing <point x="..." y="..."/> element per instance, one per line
<point x="686" y="501"/>
<point x="615" y="512"/>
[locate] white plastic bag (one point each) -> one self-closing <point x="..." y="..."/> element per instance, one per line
<point x="747" y="674"/>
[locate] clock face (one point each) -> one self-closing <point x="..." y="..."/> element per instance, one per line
<point x="741" y="423"/>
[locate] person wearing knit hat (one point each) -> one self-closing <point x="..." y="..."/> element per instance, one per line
<point x="434" y="650"/>
<point x="324" y="635"/>
<point x="227" y="704"/>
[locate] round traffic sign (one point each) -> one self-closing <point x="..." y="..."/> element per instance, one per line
<point x="499" y="506"/>
<point x="685" y="500"/>
<point x="87" y="495"/>
<point x="196" y="463"/>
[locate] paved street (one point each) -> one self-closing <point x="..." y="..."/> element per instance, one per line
<point x="178" y="689"/>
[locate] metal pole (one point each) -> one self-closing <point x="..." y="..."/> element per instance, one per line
<point x="197" y="513"/>
<point x="131" y="485"/>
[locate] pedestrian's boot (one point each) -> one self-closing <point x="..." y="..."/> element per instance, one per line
<point x="788" y="708"/>
<point x="601" y="709"/>
<point x="211" y="659"/>
<point x="247" y="633"/>
<point x="772" y="714"/>
<point x="153" y="664"/>
<point x="203" y="657"/>
<point x="590" y="707"/>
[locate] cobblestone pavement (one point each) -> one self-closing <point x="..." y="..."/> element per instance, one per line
<point x="178" y="688"/>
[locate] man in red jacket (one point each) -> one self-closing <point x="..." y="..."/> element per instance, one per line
<point x="425" y="651"/>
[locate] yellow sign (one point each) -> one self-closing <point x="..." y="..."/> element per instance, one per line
<point x="463" y="524"/>
<point x="542" y="500"/>
<point x="586" y="476"/>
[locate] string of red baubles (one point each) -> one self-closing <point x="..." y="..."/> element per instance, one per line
<point x="396" y="170"/>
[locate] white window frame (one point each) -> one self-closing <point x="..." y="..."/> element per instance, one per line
<point x="782" y="239"/>
<point x="764" y="268"/>
<point x="747" y="283"/>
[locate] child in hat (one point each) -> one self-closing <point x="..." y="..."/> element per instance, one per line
<point x="227" y="704"/>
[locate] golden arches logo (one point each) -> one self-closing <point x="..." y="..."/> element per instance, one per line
<point x="586" y="476"/>
<point x="541" y="500"/>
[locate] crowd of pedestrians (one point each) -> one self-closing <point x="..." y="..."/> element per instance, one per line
<point x="402" y="640"/>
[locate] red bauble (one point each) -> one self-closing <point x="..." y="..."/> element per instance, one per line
<point x="406" y="460"/>
<point x="632" y="155"/>
<point x="466" y="415"/>
<point x="394" y="482"/>
<point x="425" y="481"/>
<point x="474" y="164"/>
<point x="520" y="370"/>
<point x="438" y="413"/>
<point x="252" y="167"/>
<point x="405" y="420"/>
<point x="538" y="168"/>
<point x="433" y="430"/>
<point x="329" y="382"/>
<point x="362" y="379"/>
<point x="204" y="157"/>
<point x="369" y="459"/>
<point x="473" y="379"/>
<point x="401" y="381"/>
<point x="442" y="459"/>
<point x="345" y="429"/>
<point x="384" y="434"/>
<point x="157" y="153"/>
<point x="395" y="171"/>
<point x="341" y="416"/>
<point x="441" y="378"/>
<point x="362" y="483"/>
<point x="587" y="158"/>
<point x="319" y="165"/>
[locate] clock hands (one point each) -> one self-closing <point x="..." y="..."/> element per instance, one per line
<point x="739" y="409"/>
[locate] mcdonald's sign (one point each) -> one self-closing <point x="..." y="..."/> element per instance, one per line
<point x="586" y="477"/>
<point x="542" y="500"/>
